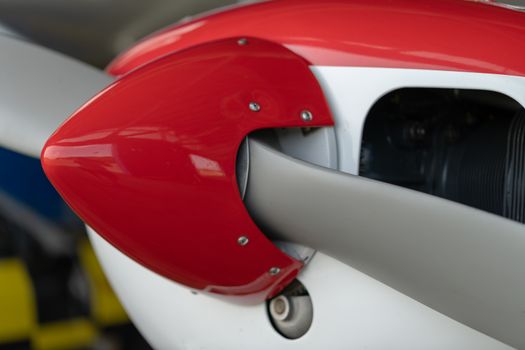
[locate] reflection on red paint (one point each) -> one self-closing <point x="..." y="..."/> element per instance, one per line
<point x="205" y="166"/>
<point x="446" y="34"/>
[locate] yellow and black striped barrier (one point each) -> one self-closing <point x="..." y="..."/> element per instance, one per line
<point x="19" y="325"/>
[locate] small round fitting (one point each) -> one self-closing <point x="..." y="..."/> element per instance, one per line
<point x="254" y="107"/>
<point x="242" y="41"/>
<point x="291" y="312"/>
<point x="274" y="271"/>
<point x="243" y="240"/>
<point x="307" y="116"/>
<point x="280" y="308"/>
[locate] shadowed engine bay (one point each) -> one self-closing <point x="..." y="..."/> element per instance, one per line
<point x="467" y="146"/>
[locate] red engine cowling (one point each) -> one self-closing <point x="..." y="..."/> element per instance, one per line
<point x="149" y="163"/>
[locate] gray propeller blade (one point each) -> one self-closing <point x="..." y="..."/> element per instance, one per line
<point x="463" y="262"/>
<point x="39" y="89"/>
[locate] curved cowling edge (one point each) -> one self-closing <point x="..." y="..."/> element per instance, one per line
<point x="443" y="35"/>
<point x="149" y="163"/>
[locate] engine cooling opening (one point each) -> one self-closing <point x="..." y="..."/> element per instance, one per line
<point x="467" y="146"/>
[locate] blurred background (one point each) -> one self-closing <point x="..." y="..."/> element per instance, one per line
<point x="95" y="31"/>
<point x="53" y="294"/>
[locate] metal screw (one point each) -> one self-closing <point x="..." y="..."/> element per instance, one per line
<point x="417" y="132"/>
<point x="421" y="131"/>
<point x="274" y="271"/>
<point x="254" y="107"/>
<point x="243" y="240"/>
<point x="242" y="41"/>
<point x="307" y="116"/>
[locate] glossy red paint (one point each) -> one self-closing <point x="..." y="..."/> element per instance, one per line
<point x="149" y="163"/>
<point x="442" y="34"/>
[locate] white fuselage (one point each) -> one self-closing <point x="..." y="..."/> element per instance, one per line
<point x="351" y="309"/>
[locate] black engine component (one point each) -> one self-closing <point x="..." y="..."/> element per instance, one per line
<point x="514" y="204"/>
<point x="463" y="145"/>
